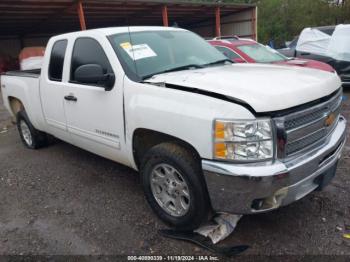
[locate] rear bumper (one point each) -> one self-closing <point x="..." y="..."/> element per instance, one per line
<point x="260" y="187"/>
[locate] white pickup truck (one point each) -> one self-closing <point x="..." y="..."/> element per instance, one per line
<point x="206" y="134"/>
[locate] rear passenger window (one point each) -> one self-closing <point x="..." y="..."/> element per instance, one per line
<point x="56" y="60"/>
<point x="88" y="51"/>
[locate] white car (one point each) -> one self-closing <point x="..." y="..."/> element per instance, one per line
<point x="206" y="134"/>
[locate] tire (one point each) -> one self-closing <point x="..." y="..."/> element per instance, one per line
<point x="168" y="160"/>
<point x="31" y="137"/>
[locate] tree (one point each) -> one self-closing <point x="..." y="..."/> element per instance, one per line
<point x="282" y="20"/>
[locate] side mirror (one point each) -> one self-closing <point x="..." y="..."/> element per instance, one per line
<point x="93" y="74"/>
<point x="239" y="60"/>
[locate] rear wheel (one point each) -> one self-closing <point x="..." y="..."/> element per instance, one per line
<point x="174" y="186"/>
<point x="31" y="137"/>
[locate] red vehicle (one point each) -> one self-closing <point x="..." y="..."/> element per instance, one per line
<point x="248" y="51"/>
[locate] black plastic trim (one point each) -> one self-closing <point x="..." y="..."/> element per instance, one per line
<point x="33" y="73"/>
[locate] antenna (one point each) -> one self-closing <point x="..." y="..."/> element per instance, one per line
<point x="132" y="50"/>
<point x="130" y="40"/>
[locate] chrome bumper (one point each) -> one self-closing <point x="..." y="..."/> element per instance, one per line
<point x="260" y="187"/>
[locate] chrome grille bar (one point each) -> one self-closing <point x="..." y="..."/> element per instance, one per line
<point x="307" y="128"/>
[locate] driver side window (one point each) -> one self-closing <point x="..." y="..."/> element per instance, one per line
<point x="88" y="51"/>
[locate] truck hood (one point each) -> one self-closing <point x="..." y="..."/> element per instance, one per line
<point x="265" y="88"/>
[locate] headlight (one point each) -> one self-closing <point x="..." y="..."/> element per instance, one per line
<point x="246" y="140"/>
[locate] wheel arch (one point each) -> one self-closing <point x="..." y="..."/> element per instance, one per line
<point x="16" y="105"/>
<point x="144" y="139"/>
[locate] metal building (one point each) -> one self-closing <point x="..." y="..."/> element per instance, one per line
<point x="31" y="22"/>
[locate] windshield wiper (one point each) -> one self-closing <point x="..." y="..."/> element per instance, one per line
<point x="221" y="61"/>
<point x="179" y="68"/>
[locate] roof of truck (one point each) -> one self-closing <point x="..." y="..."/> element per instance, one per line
<point x="124" y="29"/>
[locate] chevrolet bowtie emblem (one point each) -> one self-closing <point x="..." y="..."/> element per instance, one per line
<point x="329" y="120"/>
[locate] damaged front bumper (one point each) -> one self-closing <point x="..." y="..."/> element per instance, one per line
<point x="260" y="187"/>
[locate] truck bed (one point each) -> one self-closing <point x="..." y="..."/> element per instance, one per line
<point x="24" y="85"/>
<point x="35" y="73"/>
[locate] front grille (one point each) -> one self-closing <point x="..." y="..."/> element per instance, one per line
<point x="310" y="127"/>
<point x="305" y="141"/>
<point x="304" y="119"/>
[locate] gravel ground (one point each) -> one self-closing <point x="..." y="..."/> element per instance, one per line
<point x="62" y="200"/>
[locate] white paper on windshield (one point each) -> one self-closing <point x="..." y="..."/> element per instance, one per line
<point x="339" y="47"/>
<point x="137" y="52"/>
<point x="313" y="41"/>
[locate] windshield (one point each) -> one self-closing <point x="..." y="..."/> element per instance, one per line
<point x="262" y="54"/>
<point x="153" y="52"/>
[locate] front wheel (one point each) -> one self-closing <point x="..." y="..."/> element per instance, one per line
<point x="174" y="186"/>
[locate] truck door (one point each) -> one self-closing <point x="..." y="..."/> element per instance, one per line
<point x="52" y="88"/>
<point x="94" y="115"/>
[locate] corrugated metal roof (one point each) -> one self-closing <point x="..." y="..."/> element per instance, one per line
<point x="49" y="17"/>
